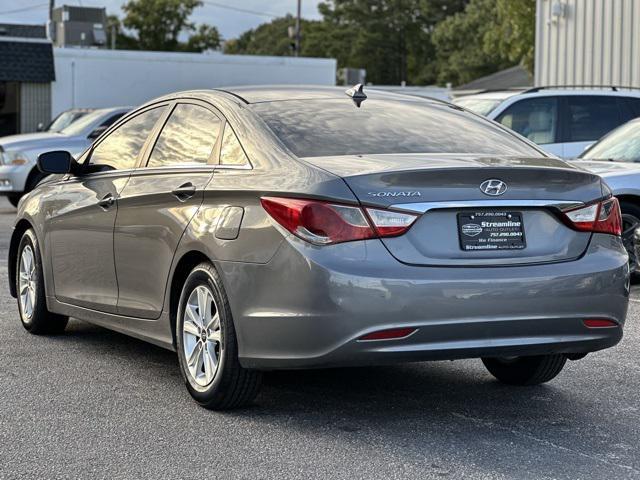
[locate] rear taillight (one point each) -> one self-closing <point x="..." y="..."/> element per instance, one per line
<point x="602" y="217"/>
<point x="324" y="223"/>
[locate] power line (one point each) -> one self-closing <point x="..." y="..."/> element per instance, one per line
<point x="242" y="10"/>
<point x="24" y="9"/>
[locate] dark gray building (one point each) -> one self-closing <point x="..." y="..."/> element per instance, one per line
<point x="26" y="73"/>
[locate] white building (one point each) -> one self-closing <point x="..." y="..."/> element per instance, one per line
<point x="37" y="82"/>
<point x="104" y="78"/>
<point x="588" y="42"/>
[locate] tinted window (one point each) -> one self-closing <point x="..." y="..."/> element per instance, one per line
<point x="311" y="128"/>
<point x="623" y="144"/>
<point x="632" y="107"/>
<point x="112" y="119"/>
<point x="121" y="148"/>
<point x="533" y="118"/>
<point x="188" y="137"/>
<point x="590" y="117"/>
<point x="231" y="152"/>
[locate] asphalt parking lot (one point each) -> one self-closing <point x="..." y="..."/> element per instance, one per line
<point x="97" y="404"/>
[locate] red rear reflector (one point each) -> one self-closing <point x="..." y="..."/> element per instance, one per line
<point x="390" y="334"/>
<point x="599" y="323"/>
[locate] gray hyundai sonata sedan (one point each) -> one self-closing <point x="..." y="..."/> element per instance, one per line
<point x="274" y="228"/>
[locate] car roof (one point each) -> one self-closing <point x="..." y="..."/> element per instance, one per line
<point x="276" y="93"/>
<point x="493" y="95"/>
<point x="555" y="91"/>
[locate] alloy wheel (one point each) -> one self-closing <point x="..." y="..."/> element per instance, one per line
<point x="27" y="282"/>
<point x="201" y="336"/>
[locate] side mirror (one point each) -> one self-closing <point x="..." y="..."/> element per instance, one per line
<point x="97" y="132"/>
<point x="40" y="127"/>
<point x="56" y="162"/>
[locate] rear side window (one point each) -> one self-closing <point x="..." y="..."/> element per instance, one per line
<point x="314" y="128"/>
<point x="120" y="149"/>
<point x="231" y="152"/>
<point x="533" y="118"/>
<point x="590" y="117"/>
<point x="187" y="138"/>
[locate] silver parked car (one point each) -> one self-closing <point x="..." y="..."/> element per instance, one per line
<point x="18" y="153"/>
<point x="269" y="228"/>
<point x="616" y="157"/>
<point x="562" y="120"/>
<point x="64" y="119"/>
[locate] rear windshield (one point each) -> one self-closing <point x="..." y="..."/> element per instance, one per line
<point x="314" y="128"/>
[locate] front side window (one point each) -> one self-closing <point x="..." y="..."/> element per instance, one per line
<point x="120" y="150"/>
<point x="231" y="152"/>
<point x="187" y="138"/>
<point x="533" y="118"/>
<point x="591" y="116"/>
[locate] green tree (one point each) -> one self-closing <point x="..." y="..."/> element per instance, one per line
<point x="391" y="39"/>
<point x="206" y="37"/>
<point x="158" y="24"/>
<point x="515" y="33"/>
<point x="272" y="38"/>
<point x="122" y="40"/>
<point x="464" y="46"/>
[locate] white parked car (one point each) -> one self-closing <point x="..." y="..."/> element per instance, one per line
<point x="562" y="121"/>
<point x="18" y="153"/>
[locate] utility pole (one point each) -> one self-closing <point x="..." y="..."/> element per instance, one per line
<point x="297" y="29"/>
<point x="50" y="26"/>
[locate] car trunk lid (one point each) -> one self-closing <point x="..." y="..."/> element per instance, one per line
<point x="522" y="225"/>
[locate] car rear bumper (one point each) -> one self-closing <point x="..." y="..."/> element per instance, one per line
<point x="309" y="306"/>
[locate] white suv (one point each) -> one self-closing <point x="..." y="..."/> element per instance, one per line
<point x="562" y="121"/>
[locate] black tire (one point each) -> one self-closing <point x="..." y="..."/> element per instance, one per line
<point x="525" y="370"/>
<point x="41" y="321"/>
<point x="232" y="386"/>
<point x="14" y="198"/>
<point x="630" y="221"/>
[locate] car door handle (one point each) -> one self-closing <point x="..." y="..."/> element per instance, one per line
<point x="107" y="201"/>
<point x="184" y="191"/>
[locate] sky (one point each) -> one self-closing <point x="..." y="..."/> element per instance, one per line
<point x="231" y="17"/>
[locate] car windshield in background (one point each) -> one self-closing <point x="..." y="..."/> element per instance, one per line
<point x="481" y="106"/>
<point x="77" y="127"/>
<point x="621" y="145"/>
<point x="315" y="128"/>
<point x="65" y="119"/>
